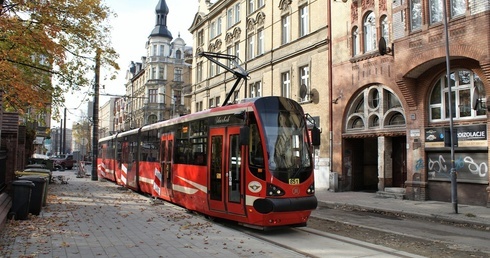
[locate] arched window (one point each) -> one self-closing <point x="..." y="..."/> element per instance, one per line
<point x="379" y="107"/>
<point x="178" y="54"/>
<point x="385" y="29"/>
<point x="355" y="41"/>
<point x="369" y="32"/>
<point x="152" y="119"/>
<point x="464" y="84"/>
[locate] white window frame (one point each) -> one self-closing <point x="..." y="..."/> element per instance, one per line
<point x="304" y="79"/>
<point x="286" y="84"/>
<point x="303" y="21"/>
<point x="369" y="32"/>
<point x="355" y="42"/>
<point x="286" y="30"/>
<point x="256" y="89"/>
<point x="458" y="89"/>
<point x="260" y="41"/>
<point x="251" y="46"/>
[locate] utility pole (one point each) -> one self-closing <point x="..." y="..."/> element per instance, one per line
<point x="453" y="173"/>
<point x="64" y="133"/>
<point x="61" y="137"/>
<point x="95" y="133"/>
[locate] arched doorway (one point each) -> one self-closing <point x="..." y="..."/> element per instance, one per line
<point x="374" y="141"/>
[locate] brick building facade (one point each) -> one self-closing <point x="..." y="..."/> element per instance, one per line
<point x="394" y="111"/>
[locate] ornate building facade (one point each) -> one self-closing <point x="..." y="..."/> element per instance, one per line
<point x="156" y="86"/>
<point x="398" y="105"/>
<point x="281" y="44"/>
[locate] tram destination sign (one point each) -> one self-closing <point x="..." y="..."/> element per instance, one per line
<point x="468" y="136"/>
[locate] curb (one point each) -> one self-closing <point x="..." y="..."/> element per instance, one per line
<point x="394" y="212"/>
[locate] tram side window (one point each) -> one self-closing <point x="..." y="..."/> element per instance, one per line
<point x="256" y="153"/>
<point x="190" y="145"/>
<point x="149" y="146"/>
<point x="118" y="151"/>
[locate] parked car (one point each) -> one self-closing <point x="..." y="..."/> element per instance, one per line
<point x="63" y="162"/>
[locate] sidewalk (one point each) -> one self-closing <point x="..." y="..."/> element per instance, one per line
<point x="87" y="218"/>
<point x="467" y="214"/>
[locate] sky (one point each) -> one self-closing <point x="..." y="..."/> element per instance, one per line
<point x="134" y="22"/>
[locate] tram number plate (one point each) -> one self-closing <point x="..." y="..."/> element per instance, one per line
<point x="294" y="181"/>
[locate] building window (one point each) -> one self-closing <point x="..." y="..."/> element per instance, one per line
<point x="369" y="32"/>
<point x="237" y="50"/>
<point x="415" y="14"/>
<point x="260" y="41"/>
<point x="237" y="13"/>
<point x="458" y="7"/>
<point x="385" y="29"/>
<point x="200" y="38"/>
<point x="355" y="41"/>
<point x="435" y="11"/>
<point x="218" y="26"/>
<point x="212" y="69"/>
<point x="217" y="101"/>
<point x="255" y="89"/>
<point x="286" y="85"/>
<point x="229" y="18"/>
<point x="286" y="37"/>
<point x="178" y="75"/>
<point x="303" y="21"/>
<point x="464" y="84"/>
<point x="251" y="46"/>
<point x="212" y="30"/>
<point x="198" y="106"/>
<point x="152" y="96"/>
<point x="211" y="103"/>
<point x="304" y="79"/>
<point x="178" y="54"/>
<point x="161" y="50"/>
<point x="152" y="119"/>
<point x="199" y="72"/>
<point x="229" y="51"/>
<point x="155" y="50"/>
<point x="161" y="72"/>
<point x="153" y="73"/>
<point x="377" y="108"/>
<point x="251" y="6"/>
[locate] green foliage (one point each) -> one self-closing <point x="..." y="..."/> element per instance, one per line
<point x="47" y="48"/>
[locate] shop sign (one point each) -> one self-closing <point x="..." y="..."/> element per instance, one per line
<point x="468" y="136"/>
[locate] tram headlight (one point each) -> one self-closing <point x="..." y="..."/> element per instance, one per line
<point x="311" y="189"/>
<point x="273" y="190"/>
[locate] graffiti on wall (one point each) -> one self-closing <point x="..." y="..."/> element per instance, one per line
<point x="469" y="166"/>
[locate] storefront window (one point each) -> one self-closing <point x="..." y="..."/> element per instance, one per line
<point x="464" y="85"/>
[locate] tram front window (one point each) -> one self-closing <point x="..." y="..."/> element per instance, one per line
<point x="288" y="149"/>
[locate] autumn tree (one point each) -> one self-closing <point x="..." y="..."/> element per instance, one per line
<point x="47" y="48"/>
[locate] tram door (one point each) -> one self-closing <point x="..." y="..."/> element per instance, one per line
<point x="166" y="152"/>
<point x="225" y="171"/>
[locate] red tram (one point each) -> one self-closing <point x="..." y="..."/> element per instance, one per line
<point x="249" y="162"/>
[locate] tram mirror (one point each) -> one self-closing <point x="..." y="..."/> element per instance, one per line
<point x="315" y="136"/>
<point x="244" y="135"/>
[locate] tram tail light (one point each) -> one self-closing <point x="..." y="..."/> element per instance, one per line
<point x="311" y="189"/>
<point x="273" y="190"/>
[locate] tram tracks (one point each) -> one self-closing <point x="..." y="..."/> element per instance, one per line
<point x="309" y="242"/>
